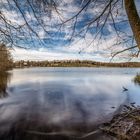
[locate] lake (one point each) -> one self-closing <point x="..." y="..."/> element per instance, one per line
<point x="63" y="103"/>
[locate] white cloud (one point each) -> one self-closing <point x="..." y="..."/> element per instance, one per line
<point x="44" y="54"/>
<point x="86" y="46"/>
<point x="13" y="17"/>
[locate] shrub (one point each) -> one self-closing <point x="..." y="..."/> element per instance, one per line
<point x="6" y="60"/>
<point x="137" y="79"/>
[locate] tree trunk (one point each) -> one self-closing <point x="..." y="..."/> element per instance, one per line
<point x="134" y="19"/>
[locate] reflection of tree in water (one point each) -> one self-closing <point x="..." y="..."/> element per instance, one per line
<point x="4" y="79"/>
<point x="137" y="79"/>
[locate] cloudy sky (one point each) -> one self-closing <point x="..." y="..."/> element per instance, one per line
<point x="45" y="37"/>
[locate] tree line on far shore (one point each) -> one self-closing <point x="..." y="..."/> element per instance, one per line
<point x="6" y="62"/>
<point x="72" y="63"/>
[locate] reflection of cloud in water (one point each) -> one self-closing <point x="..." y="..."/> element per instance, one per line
<point x="63" y="99"/>
<point x="58" y="104"/>
<point x="21" y="76"/>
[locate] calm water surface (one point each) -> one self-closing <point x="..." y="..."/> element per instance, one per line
<point x="71" y="101"/>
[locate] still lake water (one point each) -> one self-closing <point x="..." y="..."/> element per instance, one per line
<point x="65" y="100"/>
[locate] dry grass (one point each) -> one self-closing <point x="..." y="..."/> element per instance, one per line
<point x="137" y="79"/>
<point x="125" y="126"/>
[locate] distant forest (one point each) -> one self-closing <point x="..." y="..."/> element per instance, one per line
<point x="72" y="63"/>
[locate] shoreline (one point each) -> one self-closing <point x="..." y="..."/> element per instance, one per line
<point x="74" y="63"/>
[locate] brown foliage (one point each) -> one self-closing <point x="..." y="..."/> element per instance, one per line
<point x="5" y="58"/>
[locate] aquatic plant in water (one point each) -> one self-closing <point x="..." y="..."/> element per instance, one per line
<point x="137" y="79"/>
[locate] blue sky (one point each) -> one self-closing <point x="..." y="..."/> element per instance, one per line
<point x="55" y="41"/>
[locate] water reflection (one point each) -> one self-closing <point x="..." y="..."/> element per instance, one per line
<point x="65" y="103"/>
<point x="52" y="111"/>
<point x="4" y="79"/>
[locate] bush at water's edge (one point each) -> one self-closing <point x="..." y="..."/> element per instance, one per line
<point x="6" y="61"/>
<point x="137" y="79"/>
